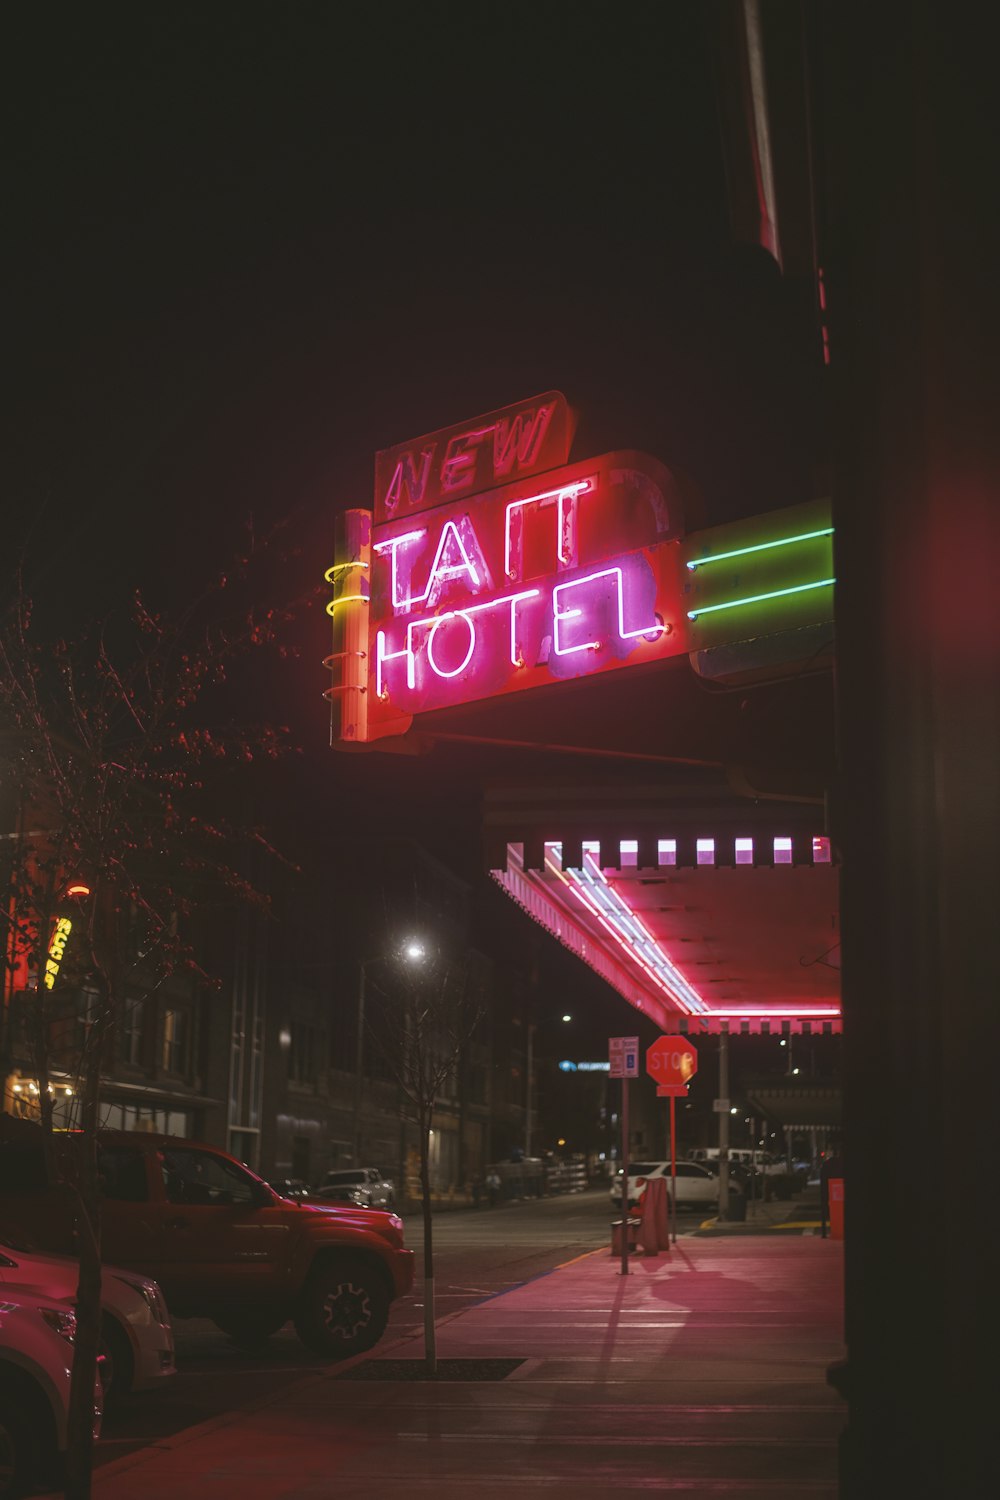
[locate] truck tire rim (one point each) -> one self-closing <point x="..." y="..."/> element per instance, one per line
<point x="346" y="1310"/>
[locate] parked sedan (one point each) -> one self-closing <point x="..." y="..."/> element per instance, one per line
<point x="293" y="1188"/>
<point x="697" y="1187"/>
<point x="36" y="1363"/>
<point x="137" y="1339"/>
<point x="363" y="1186"/>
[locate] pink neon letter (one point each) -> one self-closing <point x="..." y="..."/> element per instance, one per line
<point x="441" y="620"/>
<point x="393" y="545"/>
<point x="655" y="629"/>
<point x="442" y="570"/>
<point x="518" y="441"/>
<point x="559" y="615"/>
<point x="565" y="499"/>
<point x="405" y="476"/>
<point x="459" y="467"/>
<point x="382" y="655"/>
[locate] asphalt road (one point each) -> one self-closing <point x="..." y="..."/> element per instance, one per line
<point x="477" y="1253"/>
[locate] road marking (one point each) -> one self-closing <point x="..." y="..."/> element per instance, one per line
<point x="585" y="1256"/>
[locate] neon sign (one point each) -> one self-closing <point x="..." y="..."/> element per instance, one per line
<point x="57" y="947"/>
<point x="513" y="443"/>
<point x="522" y="586"/>
<point x="485" y="569"/>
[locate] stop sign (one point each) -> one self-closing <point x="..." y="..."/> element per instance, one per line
<point x="672" y="1060"/>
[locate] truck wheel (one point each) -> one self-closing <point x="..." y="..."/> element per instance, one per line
<point x="343" y="1309"/>
<point x="247" y="1328"/>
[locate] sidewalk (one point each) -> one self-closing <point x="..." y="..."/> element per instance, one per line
<point x="701" y="1373"/>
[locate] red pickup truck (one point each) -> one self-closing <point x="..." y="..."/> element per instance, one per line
<point x="220" y="1242"/>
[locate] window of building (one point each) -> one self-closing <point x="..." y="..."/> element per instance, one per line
<point x="343" y="1045"/>
<point x="302" y="1053"/>
<point x="133" y="1031"/>
<point x="176" y="1033"/>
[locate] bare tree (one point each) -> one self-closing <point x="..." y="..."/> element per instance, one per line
<point x="109" y="741"/>
<point x="433" y="1004"/>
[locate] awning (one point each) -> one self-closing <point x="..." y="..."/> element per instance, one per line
<point x="798" y="1105"/>
<point x="113" y="1092"/>
<point x="703" y="922"/>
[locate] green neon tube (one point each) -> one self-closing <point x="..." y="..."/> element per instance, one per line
<point x="800" y="588"/>
<point x="784" y="541"/>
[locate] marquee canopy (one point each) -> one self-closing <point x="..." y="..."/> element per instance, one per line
<point x="703" y="921"/>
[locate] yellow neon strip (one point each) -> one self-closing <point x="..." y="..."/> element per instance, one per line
<point x="340" y="568"/>
<point x="347" y="599"/>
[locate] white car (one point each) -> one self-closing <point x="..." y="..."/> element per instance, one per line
<point x="363" y="1186"/>
<point x="36" y="1362"/>
<point x="697" y="1187"/>
<point x="137" y="1338"/>
<point x="763" y="1163"/>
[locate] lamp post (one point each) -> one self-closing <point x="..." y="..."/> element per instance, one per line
<point x="359" y="1058"/>
<point x="529" y="1103"/>
<point x="412" y="951"/>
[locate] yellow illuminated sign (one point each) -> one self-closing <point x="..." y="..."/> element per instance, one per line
<point x="57" y="947"/>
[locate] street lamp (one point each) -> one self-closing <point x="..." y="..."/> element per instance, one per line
<point x="529" y="1105"/>
<point x="413" y="951"/>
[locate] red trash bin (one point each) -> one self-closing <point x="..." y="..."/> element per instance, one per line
<point x="836" y="1189"/>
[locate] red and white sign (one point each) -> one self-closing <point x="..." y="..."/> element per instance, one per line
<point x="531" y="584"/>
<point x="673" y="1062"/>
<point x="463" y="460"/>
<point x="494" y="566"/>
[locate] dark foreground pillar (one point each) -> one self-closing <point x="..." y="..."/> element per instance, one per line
<point x="914" y="272"/>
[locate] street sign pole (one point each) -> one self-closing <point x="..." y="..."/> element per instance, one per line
<point x="673" y="1062"/>
<point x="623" y="1063"/>
<point x="673" y="1166"/>
<point x="724" y="1126"/>
<point x="625" y="1207"/>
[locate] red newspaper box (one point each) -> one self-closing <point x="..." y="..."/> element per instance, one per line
<point x="836" y="1208"/>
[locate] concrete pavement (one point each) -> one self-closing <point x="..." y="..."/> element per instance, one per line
<point x="701" y="1373"/>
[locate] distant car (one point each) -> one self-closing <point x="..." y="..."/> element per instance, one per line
<point x="290" y="1187"/>
<point x="363" y="1186"/>
<point x="697" y="1187"/>
<point x="137" y="1339"/>
<point x="36" y="1364"/>
<point x="742" y="1161"/>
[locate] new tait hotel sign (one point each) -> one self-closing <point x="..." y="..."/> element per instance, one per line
<point x="491" y="565"/>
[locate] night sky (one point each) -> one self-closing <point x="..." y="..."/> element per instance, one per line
<point x="254" y="243"/>
<point x="249" y="244"/>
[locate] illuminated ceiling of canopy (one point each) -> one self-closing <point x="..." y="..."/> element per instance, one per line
<point x="731" y="927"/>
